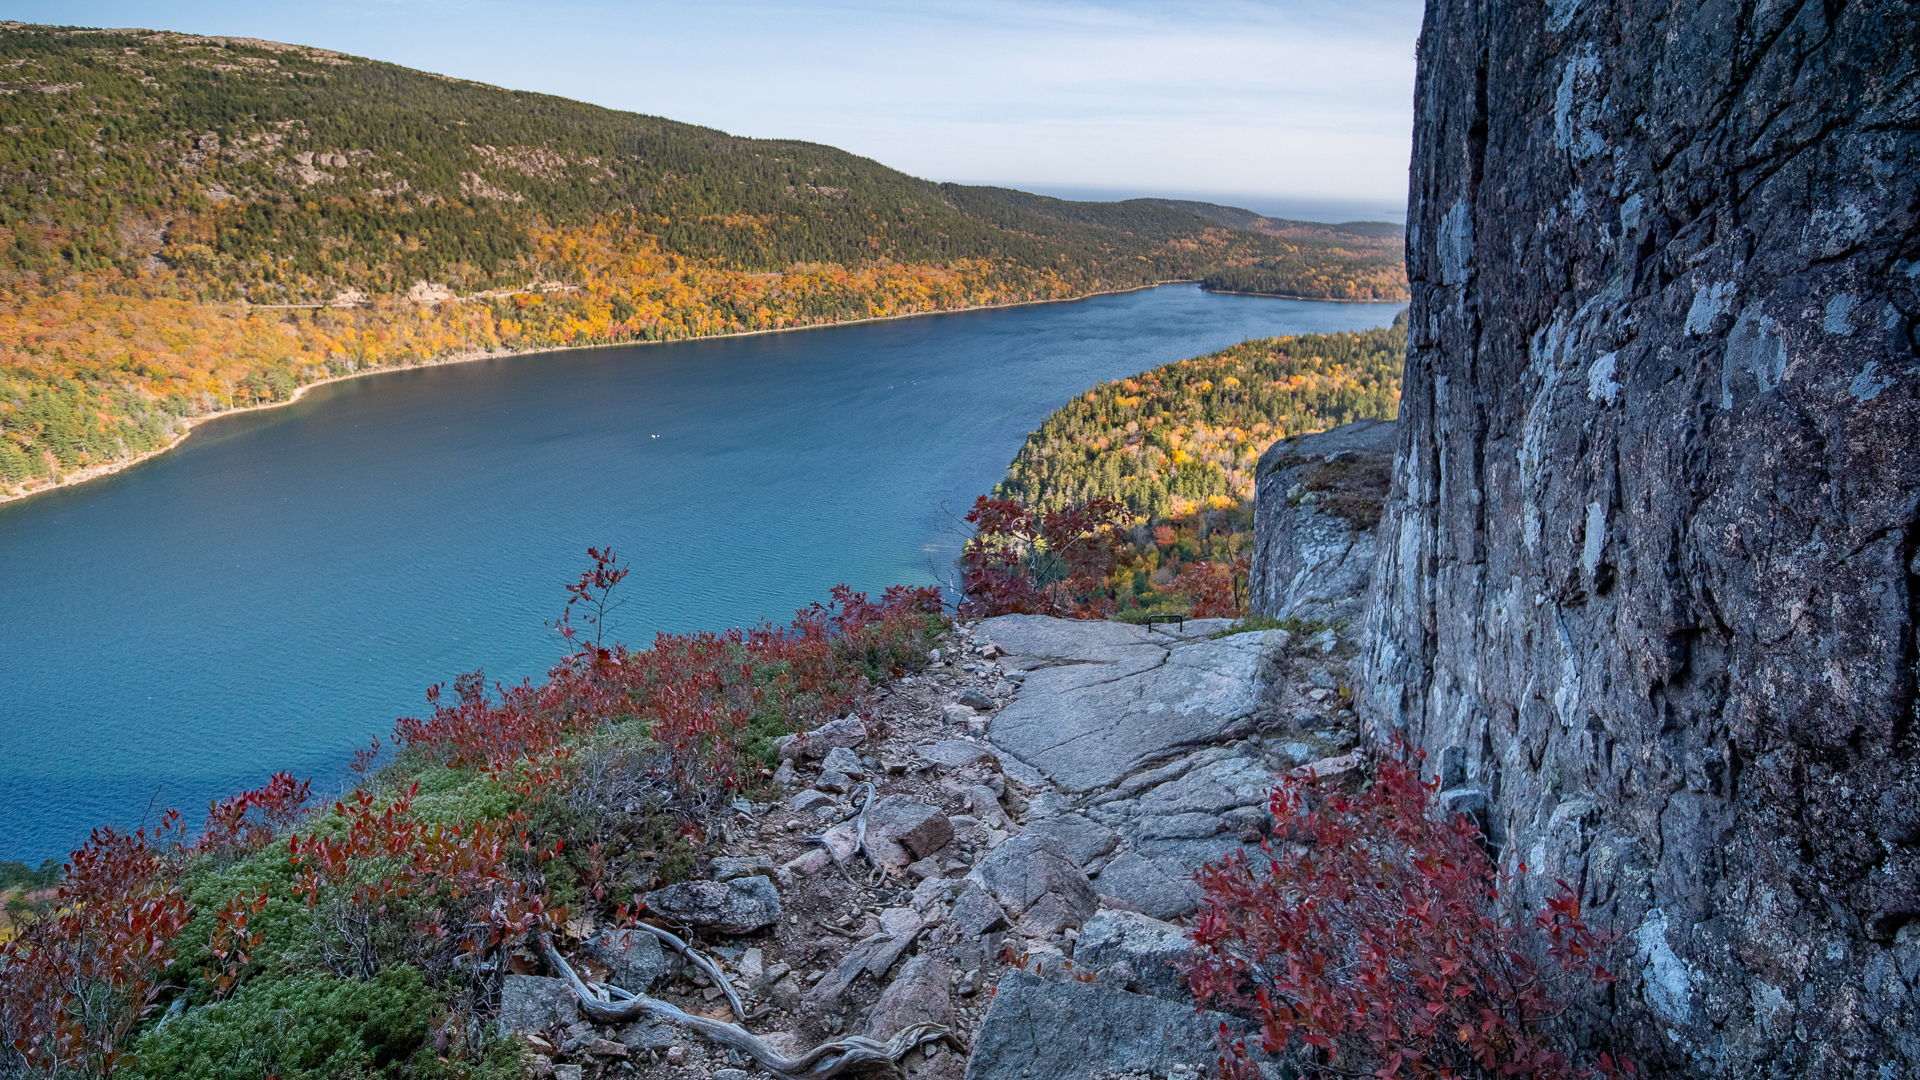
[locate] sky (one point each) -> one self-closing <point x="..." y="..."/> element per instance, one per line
<point x="1292" y="108"/>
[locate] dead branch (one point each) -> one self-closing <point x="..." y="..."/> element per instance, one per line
<point x="702" y="961"/>
<point x="612" y="1005"/>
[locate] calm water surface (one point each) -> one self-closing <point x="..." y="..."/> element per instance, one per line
<point x="284" y="584"/>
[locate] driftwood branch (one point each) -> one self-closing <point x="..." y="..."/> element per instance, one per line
<point x="703" y="962"/>
<point x="878" y="875"/>
<point x="612" y="1005"/>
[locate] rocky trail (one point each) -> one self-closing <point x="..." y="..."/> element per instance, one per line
<point x="1002" y="845"/>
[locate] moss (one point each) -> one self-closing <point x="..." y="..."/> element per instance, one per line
<point x="1351" y="488"/>
<point x="450" y="795"/>
<point x="313" y="1027"/>
<point x="1250" y="623"/>
<point x="210" y="886"/>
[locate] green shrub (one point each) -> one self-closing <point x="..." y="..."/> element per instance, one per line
<point x="1254" y="621"/>
<point x="1139" y="615"/>
<point x="448" y="796"/>
<point x="313" y="1027"/>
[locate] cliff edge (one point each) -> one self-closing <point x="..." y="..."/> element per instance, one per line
<point x="1649" y="558"/>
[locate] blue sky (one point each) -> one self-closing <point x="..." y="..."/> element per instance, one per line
<point x="1302" y="109"/>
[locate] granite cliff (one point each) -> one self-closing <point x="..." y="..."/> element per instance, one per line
<point x="1647" y="573"/>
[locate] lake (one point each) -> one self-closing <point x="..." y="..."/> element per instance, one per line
<point x="286" y="583"/>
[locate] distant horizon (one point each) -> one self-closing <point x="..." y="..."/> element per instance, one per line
<point x="1108" y="98"/>
<point x="1328" y="211"/>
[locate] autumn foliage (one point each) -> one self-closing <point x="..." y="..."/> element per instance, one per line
<point x="389" y="884"/>
<point x="1089" y="561"/>
<point x="79" y="980"/>
<point x="1218" y="589"/>
<point x="1377" y="938"/>
<point x="1029" y="561"/>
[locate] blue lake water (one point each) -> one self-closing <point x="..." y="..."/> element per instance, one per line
<point x="285" y="583"/>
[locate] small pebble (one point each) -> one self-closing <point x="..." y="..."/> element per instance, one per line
<point x="676" y="1055"/>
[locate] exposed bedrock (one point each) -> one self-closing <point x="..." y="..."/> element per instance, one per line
<point x="1318" y="498"/>
<point x="1647" y="577"/>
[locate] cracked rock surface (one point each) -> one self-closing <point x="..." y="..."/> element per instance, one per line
<point x="1000" y="870"/>
<point x="1097" y="703"/>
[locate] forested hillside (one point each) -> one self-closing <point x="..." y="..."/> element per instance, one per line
<point x="1355" y="260"/>
<point x="1186" y="436"/>
<point x="194" y="224"/>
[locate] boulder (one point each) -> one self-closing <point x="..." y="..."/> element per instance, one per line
<point x="1106" y="696"/>
<point x="902" y="829"/>
<point x="979" y="702"/>
<point x="649" y="1035"/>
<point x="976" y="913"/>
<point x="1211" y="788"/>
<point x="533" y="1004"/>
<point x="811" y="800"/>
<point x="1317" y="500"/>
<point x="1084" y="839"/>
<point x="844" y="761"/>
<point x="1152" y="951"/>
<point x="740" y="906"/>
<point x="1049" y="915"/>
<point x="957" y="753"/>
<point x="1025" y="869"/>
<point x="1037" y="1029"/>
<point x="728" y="867"/>
<point x="633" y="958"/>
<point x="984" y="804"/>
<point x="937" y="891"/>
<point x="810" y="861"/>
<point x="846" y="732"/>
<point x="921" y="993"/>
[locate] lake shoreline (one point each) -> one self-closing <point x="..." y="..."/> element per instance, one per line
<point x="106" y="469"/>
<point x="289" y="585"/>
<point x="1303" y="299"/>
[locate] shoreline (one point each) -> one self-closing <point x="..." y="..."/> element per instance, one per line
<point x="106" y="469"/>
<point x="1305" y="299"/>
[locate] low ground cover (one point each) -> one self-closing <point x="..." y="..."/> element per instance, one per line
<point x="370" y="937"/>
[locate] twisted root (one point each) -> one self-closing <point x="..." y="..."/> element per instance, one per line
<point x="612" y="1005"/>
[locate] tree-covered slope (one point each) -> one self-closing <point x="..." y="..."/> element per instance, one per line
<point x="1185" y="436"/>
<point x="192" y="224"/>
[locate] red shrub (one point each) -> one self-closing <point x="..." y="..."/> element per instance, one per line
<point x="79" y="980"/>
<point x="247" y="821"/>
<point x="1042" y="562"/>
<point x="594" y="594"/>
<point x="386" y="855"/>
<point x="1379" y="939"/>
<point x="231" y="943"/>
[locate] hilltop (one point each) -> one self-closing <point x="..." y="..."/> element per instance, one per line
<point x="194" y="224"/>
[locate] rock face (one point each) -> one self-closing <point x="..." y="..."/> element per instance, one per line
<point x="1647" y="579"/>
<point x="1318" y="498"/>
